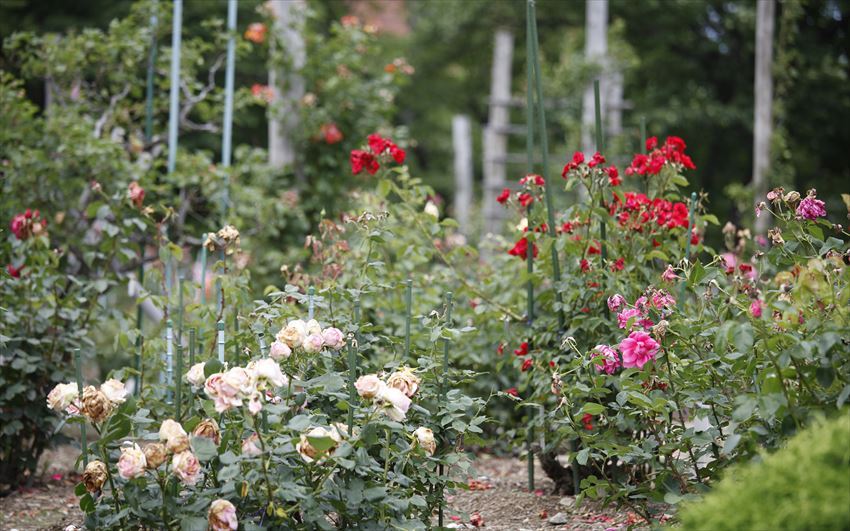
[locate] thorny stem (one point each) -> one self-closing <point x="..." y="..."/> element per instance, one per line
<point x="259" y="433"/>
<point x="681" y="420"/>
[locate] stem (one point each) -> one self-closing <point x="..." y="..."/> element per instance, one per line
<point x="265" y="462"/>
<point x="681" y="420"/>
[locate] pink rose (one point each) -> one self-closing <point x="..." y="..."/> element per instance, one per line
<point x="669" y="275"/>
<point x="615" y="302"/>
<point x="333" y="338"/>
<point x="638" y="349"/>
<point x="369" y="386"/>
<point x="610" y="359"/>
<point x="810" y="207"/>
<point x="186" y="467"/>
<point x="280" y="350"/>
<point x="755" y="308"/>
<point x="249" y="446"/>
<point x="313" y="343"/>
<point x="626" y="315"/>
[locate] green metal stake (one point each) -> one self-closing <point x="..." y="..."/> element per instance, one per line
<point x="79" y="367"/>
<point x="150" y="76"/>
<point x="236" y="354"/>
<point x="139" y="309"/>
<point x="311" y="293"/>
<point x="357" y="317"/>
<point x="169" y="357"/>
<point x="544" y="146"/>
<point x="529" y="155"/>
<point x="688" y="247"/>
<point x="352" y="377"/>
<point x="140" y="345"/>
<point x="180" y="309"/>
<point x="443" y="393"/>
<point x="408" y="302"/>
<point x="179" y="381"/>
<point x="600" y="147"/>
<point x="192" y="334"/>
<point x="204" y="270"/>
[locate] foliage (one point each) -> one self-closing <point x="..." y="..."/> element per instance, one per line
<point x="804" y="485"/>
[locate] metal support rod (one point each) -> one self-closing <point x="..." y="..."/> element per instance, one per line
<point x="169" y="358"/>
<point x="174" y="104"/>
<point x="311" y="293"/>
<point x="227" y="127"/>
<point x="179" y="397"/>
<point x="140" y="346"/>
<point x="78" y="362"/>
<point x="688" y="236"/>
<point x="529" y="152"/>
<point x="600" y="147"/>
<point x="352" y="377"/>
<point x="221" y="341"/>
<point x="408" y="305"/>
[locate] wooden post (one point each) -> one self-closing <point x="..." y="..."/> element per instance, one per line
<point x="595" y="50"/>
<point x="763" y="127"/>
<point x="462" y="143"/>
<point x="495" y="134"/>
<point x="283" y="114"/>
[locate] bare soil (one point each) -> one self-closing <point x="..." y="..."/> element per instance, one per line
<point x="498" y="499"/>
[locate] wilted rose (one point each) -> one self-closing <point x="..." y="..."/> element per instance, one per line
<point x="96" y="405"/>
<point x="186" y="467"/>
<point x="155" y="455"/>
<point x="405" y="380"/>
<point x="114" y="391"/>
<point x="132" y="462"/>
<point x="208" y="428"/>
<point x="369" y="385"/>
<point x="95" y="476"/>
<point x="395" y="403"/>
<point x="174" y="436"/>
<point x="310" y="453"/>
<point x="222" y="516"/>
<point x="425" y="439"/>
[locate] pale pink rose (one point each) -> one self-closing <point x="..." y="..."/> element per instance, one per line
<point x="195" y="376"/>
<point x="132" y="462"/>
<point x="313" y="343"/>
<point x="333" y="338"/>
<point x="395" y="403"/>
<point x="186" y="467"/>
<point x="268" y="371"/>
<point x="255" y="404"/>
<point x="114" y="391"/>
<point x="669" y="275"/>
<point x="638" y="349"/>
<point x="62" y="396"/>
<point x="222" y="516"/>
<point x="610" y="358"/>
<point x="280" y="350"/>
<point x="249" y="446"/>
<point x="212" y="384"/>
<point x="627" y="314"/>
<point x="615" y="302"/>
<point x="755" y="308"/>
<point x="369" y="386"/>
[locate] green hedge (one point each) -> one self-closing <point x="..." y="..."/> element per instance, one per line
<point x="806" y="485"/>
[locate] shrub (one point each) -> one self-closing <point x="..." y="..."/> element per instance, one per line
<point x="805" y="485"/>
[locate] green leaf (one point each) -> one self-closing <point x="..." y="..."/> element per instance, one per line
<point x="204" y="447"/>
<point x="193" y="523"/>
<point x="211" y="367"/>
<point x="842" y="397"/>
<point x="581" y="457"/>
<point x="322" y="444"/>
<point x="679" y="180"/>
<point x="80" y="489"/>
<point x="825" y="376"/>
<point x="87" y="503"/>
<point x="710" y="218"/>
<point x="592" y="408"/>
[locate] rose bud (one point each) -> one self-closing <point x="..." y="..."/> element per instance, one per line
<point x="196" y="376"/>
<point x="95" y="476"/>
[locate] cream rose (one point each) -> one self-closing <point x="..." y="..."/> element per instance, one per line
<point x="369" y="386"/>
<point x="405" y="380"/>
<point x="395" y="403"/>
<point x="313" y="327"/>
<point x="62" y="396"/>
<point x="195" y="376"/>
<point x="268" y="370"/>
<point x="114" y="391"/>
<point x="425" y="439"/>
<point x="222" y="516"/>
<point x="155" y="455"/>
<point x="132" y="462"/>
<point x="249" y="446"/>
<point x="186" y="467"/>
<point x="293" y="334"/>
<point x="174" y="436"/>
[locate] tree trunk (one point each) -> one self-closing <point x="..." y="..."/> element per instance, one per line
<point x="595" y="51"/>
<point x="763" y="126"/>
<point x="287" y="83"/>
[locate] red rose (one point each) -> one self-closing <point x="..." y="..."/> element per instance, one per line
<point x="618" y="264"/>
<point x="331" y="133"/>
<point x="522" y="350"/>
<point x="361" y="160"/>
<point x="613" y="176"/>
<point x="500" y="349"/>
<point x="651" y="142"/>
<point x="585" y="265"/>
<point x="527" y="364"/>
<point x="521" y="249"/>
<point x="504" y="196"/>
<point x="13" y="271"/>
<point x="525" y="199"/>
<point x="512" y="391"/>
<point x="596" y="160"/>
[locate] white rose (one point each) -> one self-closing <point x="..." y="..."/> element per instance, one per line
<point x="114" y="391"/>
<point x="62" y="396"/>
<point x="280" y="350"/>
<point x="313" y="343"/>
<point x="369" y="386"/>
<point x="313" y="327"/>
<point x="195" y="376"/>
<point x="431" y="209"/>
<point x="425" y="439"/>
<point x="267" y="369"/>
<point x="395" y="403"/>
